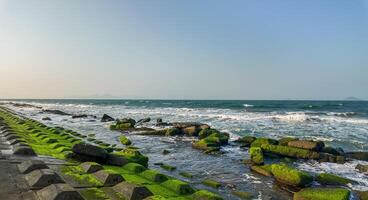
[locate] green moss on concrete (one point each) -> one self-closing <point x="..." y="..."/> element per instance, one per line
<point x="291" y="176"/>
<point x="134" y="167"/>
<point x="290" y="151"/>
<point x="178" y="186"/>
<point x="322" y="194"/>
<point x="205" y="195"/>
<point x="154" y="176"/>
<point x="93" y="194"/>
<point x="133" y="155"/>
<point x="81" y="177"/>
<point x="330" y="179"/>
<point x="256" y="155"/>
<point x="211" y="183"/>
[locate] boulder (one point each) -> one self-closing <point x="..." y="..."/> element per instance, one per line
<point x="206" y="132"/>
<point x="362" y="168"/>
<point x="132" y="191"/>
<point x="89" y="150"/>
<point x="107" y="118"/>
<point x="290" y="151"/>
<point x="41" y="178"/>
<point x="256" y="155"/>
<point x="331" y="179"/>
<point x="107" y="178"/>
<point x="325" y="157"/>
<point x="358" y="155"/>
<point x="291" y="176"/>
<point x="322" y="194"/>
<point x="116" y="160"/>
<point x="58" y="192"/>
<point x="90" y="167"/>
<point x="306" y="144"/>
<point x="56" y="112"/>
<point x="28" y="166"/>
<point x="144" y="120"/>
<point x="79" y="116"/>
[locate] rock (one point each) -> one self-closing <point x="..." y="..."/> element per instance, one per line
<point x="243" y="195"/>
<point x="134" y="167"/>
<point x="290" y="151"/>
<point x="256" y="155"/>
<point x="363" y="195"/>
<point x="116" y="160"/>
<point x="211" y="183"/>
<point x="23" y="150"/>
<point x="333" y="151"/>
<point x="325" y="157"/>
<point x="144" y="120"/>
<point x="154" y="176"/>
<point x="291" y="176"/>
<point x="59" y="192"/>
<point x="205" y="195"/>
<point x="46" y="119"/>
<point x="159" y="120"/>
<point x="330" y="179"/>
<point x="168" y="167"/>
<point x="358" y="155"/>
<point x="206" y="132"/>
<point x="133" y="155"/>
<point x="56" y="112"/>
<point x="132" y="191"/>
<point x="107" y="118"/>
<point x="172" y="132"/>
<point x="30" y="165"/>
<point x="186" y="174"/>
<point x="90" y="150"/>
<point x="362" y="168"/>
<point x="79" y="116"/>
<point x="90" y="167"/>
<point x="41" y="178"/>
<point x="124" y="140"/>
<point x="178" y="186"/>
<point x="305" y="144"/>
<point x="123" y="124"/>
<point x="260" y="141"/>
<point x="322" y="194"/>
<point x="265" y="170"/>
<point x="161" y="132"/>
<point x="246" y="141"/>
<point x="191" y="131"/>
<point x="286" y="140"/>
<point x="165" y="152"/>
<point x="108" y="179"/>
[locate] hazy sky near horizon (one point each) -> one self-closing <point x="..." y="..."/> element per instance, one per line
<point x="208" y="49"/>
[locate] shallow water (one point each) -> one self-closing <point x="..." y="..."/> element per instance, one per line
<point x="340" y="124"/>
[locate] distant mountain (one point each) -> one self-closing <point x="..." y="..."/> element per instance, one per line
<point x="352" y="99"/>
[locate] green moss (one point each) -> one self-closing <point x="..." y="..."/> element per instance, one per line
<point x="154" y="176"/>
<point x="261" y="141"/>
<point x="290" y="151"/>
<point x="206" y="132"/>
<point x="93" y="194"/>
<point x="265" y="170"/>
<point x="246" y="140"/>
<point x="186" y="174"/>
<point x="291" y="176"/>
<point x="211" y="183"/>
<point x="124" y="140"/>
<point x="242" y="194"/>
<point x="205" y="195"/>
<point x="133" y="155"/>
<point x="134" y="167"/>
<point x="168" y="167"/>
<point x="330" y="179"/>
<point x="78" y="175"/>
<point x="179" y="187"/>
<point x="322" y="194"/>
<point x="256" y="155"/>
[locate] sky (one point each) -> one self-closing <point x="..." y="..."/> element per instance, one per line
<point x="173" y="49"/>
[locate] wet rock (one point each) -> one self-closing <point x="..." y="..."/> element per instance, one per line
<point x="79" y="116"/>
<point x="265" y="170"/>
<point x="261" y="141"/>
<point x="165" y="152"/>
<point x="89" y="150"/>
<point x="186" y="174"/>
<point x="191" y="131"/>
<point x="178" y="186"/>
<point x="46" y="119"/>
<point x="291" y="176"/>
<point x="207" y="132"/>
<point x="305" y="144"/>
<point x="107" y="118"/>
<point x="90" y="167"/>
<point x="124" y="140"/>
<point x="211" y="183"/>
<point x="23" y="151"/>
<point x="116" y="160"/>
<point x="324" y="157"/>
<point x="144" y="120"/>
<point x="363" y="195"/>
<point x="205" y="195"/>
<point x="41" y="178"/>
<point x="56" y="112"/>
<point x="291" y="152"/>
<point x="331" y="179"/>
<point x="132" y="191"/>
<point x="358" y="155"/>
<point x="59" y="192"/>
<point x="108" y="179"/>
<point x="168" y="167"/>
<point x="154" y="176"/>
<point x="242" y="195"/>
<point x="286" y="140"/>
<point x="159" y="120"/>
<point x="246" y="141"/>
<point x="322" y="194"/>
<point x="30" y="165"/>
<point x="362" y="168"/>
<point x="123" y="124"/>
<point x="256" y="155"/>
<point x="334" y="151"/>
<point x="173" y="132"/>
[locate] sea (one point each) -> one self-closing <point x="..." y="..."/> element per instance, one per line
<point x="337" y="123"/>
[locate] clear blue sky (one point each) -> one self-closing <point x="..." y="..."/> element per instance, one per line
<point x="261" y="49"/>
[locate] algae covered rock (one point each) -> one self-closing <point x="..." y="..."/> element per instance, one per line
<point x="358" y="155"/>
<point x="211" y="183"/>
<point x="306" y="144"/>
<point x="256" y="155"/>
<point x="90" y="150"/>
<point x="242" y="195"/>
<point x="123" y="124"/>
<point x="286" y="140"/>
<point x="261" y="141"/>
<point x="133" y="155"/>
<point x="154" y="176"/>
<point x="362" y="168"/>
<point x="205" y="195"/>
<point x="290" y="151"/>
<point x="106" y="118"/>
<point x="265" y="170"/>
<point x="206" y="132"/>
<point x="322" y="194"/>
<point x="172" y="132"/>
<point x="331" y="179"/>
<point x="291" y="176"/>
<point x="124" y="140"/>
<point x="246" y="140"/>
<point x="178" y="186"/>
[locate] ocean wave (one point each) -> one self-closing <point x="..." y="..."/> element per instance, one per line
<point x="342" y="114"/>
<point x="247" y="105"/>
